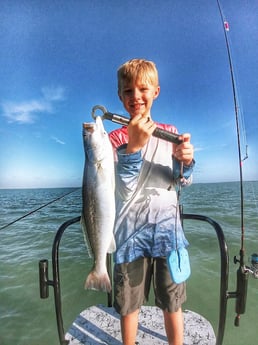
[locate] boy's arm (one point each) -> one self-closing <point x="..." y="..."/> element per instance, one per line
<point x="183" y="161"/>
<point x="127" y="172"/>
<point x="182" y="172"/>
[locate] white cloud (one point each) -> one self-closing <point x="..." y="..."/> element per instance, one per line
<point x="58" y="140"/>
<point x="53" y="93"/>
<point x="197" y="149"/>
<point x="27" y="112"/>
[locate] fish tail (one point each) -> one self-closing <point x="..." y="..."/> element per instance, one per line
<point x="100" y="282"/>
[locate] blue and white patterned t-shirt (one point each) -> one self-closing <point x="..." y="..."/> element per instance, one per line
<point x="147" y="217"/>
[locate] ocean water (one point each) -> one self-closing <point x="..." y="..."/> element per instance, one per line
<point x="25" y="319"/>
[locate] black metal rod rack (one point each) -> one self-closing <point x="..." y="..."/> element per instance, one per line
<point x="45" y="282"/>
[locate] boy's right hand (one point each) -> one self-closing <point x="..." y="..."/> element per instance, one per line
<point x="184" y="152"/>
<point x="139" y="131"/>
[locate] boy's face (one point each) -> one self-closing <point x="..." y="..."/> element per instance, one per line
<point x="137" y="97"/>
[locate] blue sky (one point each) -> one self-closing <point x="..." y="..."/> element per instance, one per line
<point x="59" y="58"/>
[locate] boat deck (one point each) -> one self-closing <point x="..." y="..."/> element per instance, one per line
<point x="99" y="325"/>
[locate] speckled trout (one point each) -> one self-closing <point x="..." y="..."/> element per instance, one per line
<point x="98" y="199"/>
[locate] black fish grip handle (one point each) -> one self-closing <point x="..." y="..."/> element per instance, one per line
<point x="122" y="120"/>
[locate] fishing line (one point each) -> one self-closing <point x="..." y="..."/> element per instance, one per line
<point x="37" y="209"/>
<point x="237" y="118"/>
<point x="242" y="273"/>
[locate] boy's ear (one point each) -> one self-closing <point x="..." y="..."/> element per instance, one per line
<point x="119" y="95"/>
<point x="156" y="92"/>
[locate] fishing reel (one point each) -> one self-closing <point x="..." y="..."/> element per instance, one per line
<point x="253" y="269"/>
<point x="243" y="274"/>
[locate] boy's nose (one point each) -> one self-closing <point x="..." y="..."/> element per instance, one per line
<point x="136" y="93"/>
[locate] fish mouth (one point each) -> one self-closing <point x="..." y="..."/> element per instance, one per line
<point x="89" y="126"/>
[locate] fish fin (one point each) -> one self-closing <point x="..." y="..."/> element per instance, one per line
<point x="112" y="246"/>
<point x="86" y="238"/>
<point x="98" y="282"/>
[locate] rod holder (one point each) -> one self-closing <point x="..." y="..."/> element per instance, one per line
<point x="241" y="293"/>
<point x="43" y="279"/>
<point x="242" y="283"/>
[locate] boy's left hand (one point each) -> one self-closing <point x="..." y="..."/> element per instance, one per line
<point x="184" y="152"/>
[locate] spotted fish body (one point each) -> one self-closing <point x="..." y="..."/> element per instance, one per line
<point x="98" y="210"/>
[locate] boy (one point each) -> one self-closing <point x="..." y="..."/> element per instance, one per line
<point x="147" y="218"/>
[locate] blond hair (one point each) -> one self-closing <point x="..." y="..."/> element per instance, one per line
<point x="137" y="69"/>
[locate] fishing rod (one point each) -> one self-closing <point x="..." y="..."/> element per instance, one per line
<point x="122" y="120"/>
<point x="243" y="271"/>
<point x="37" y="209"/>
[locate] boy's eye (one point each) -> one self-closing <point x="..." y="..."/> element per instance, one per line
<point x="128" y="91"/>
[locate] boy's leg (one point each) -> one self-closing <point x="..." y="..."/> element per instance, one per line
<point x="169" y="297"/>
<point x="174" y="326"/>
<point x="131" y="287"/>
<point x="129" y="326"/>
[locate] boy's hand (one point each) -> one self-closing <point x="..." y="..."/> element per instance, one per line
<point x="139" y="131"/>
<point x="184" y="152"/>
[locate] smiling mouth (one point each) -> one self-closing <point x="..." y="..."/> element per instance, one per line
<point x="136" y="105"/>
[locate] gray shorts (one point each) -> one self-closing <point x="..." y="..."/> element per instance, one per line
<point x="132" y="285"/>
